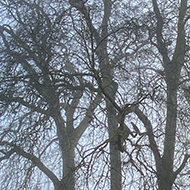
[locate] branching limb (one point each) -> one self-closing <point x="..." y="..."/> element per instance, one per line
<point x="160" y="43"/>
<point x="6" y="154"/>
<point x="187" y="156"/>
<point x="24" y="103"/>
<point x="180" y="48"/>
<point x="77" y="133"/>
<point x="150" y="134"/>
<point x="35" y="160"/>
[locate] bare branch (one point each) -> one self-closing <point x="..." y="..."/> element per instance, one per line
<point x="187" y="156"/>
<point x="24" y="103"/>
<point x="160" y="44"/>
<point x="150" y="134"/>
<point x="35" y="160"/>
<point x="180" y="45"/>
<point x="107" y="12"/>
<point x="6" y="154"/>
<point x="77" y="133"/>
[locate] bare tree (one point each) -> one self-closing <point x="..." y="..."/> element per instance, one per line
<point x="42" y="92"/>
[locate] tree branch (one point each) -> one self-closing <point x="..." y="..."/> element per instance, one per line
<point x="187" y="156"/>
<point x="160" y="44"/>
<point x="83" y="10"/>
<point x="35" y="160"/>
<point x="24" y="103"/>
<point x="107" y="12"/>
<point x="179" y="52"/>
<point x="6" y="154"/>
<point x="77" y="133"/>
<point x="150" y="134"/>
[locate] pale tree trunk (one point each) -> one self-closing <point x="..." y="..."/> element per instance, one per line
<point x="110" y="87"/>
<point x="67" y="149"/>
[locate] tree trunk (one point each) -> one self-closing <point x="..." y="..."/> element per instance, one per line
<point x="68" y="179"/>
<point x="110" y="87"/>
<point x="165" y="180"/>
<point x="114" y="153"/>
<point x="68" y="155"/>
<point x="165" y="170"/>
